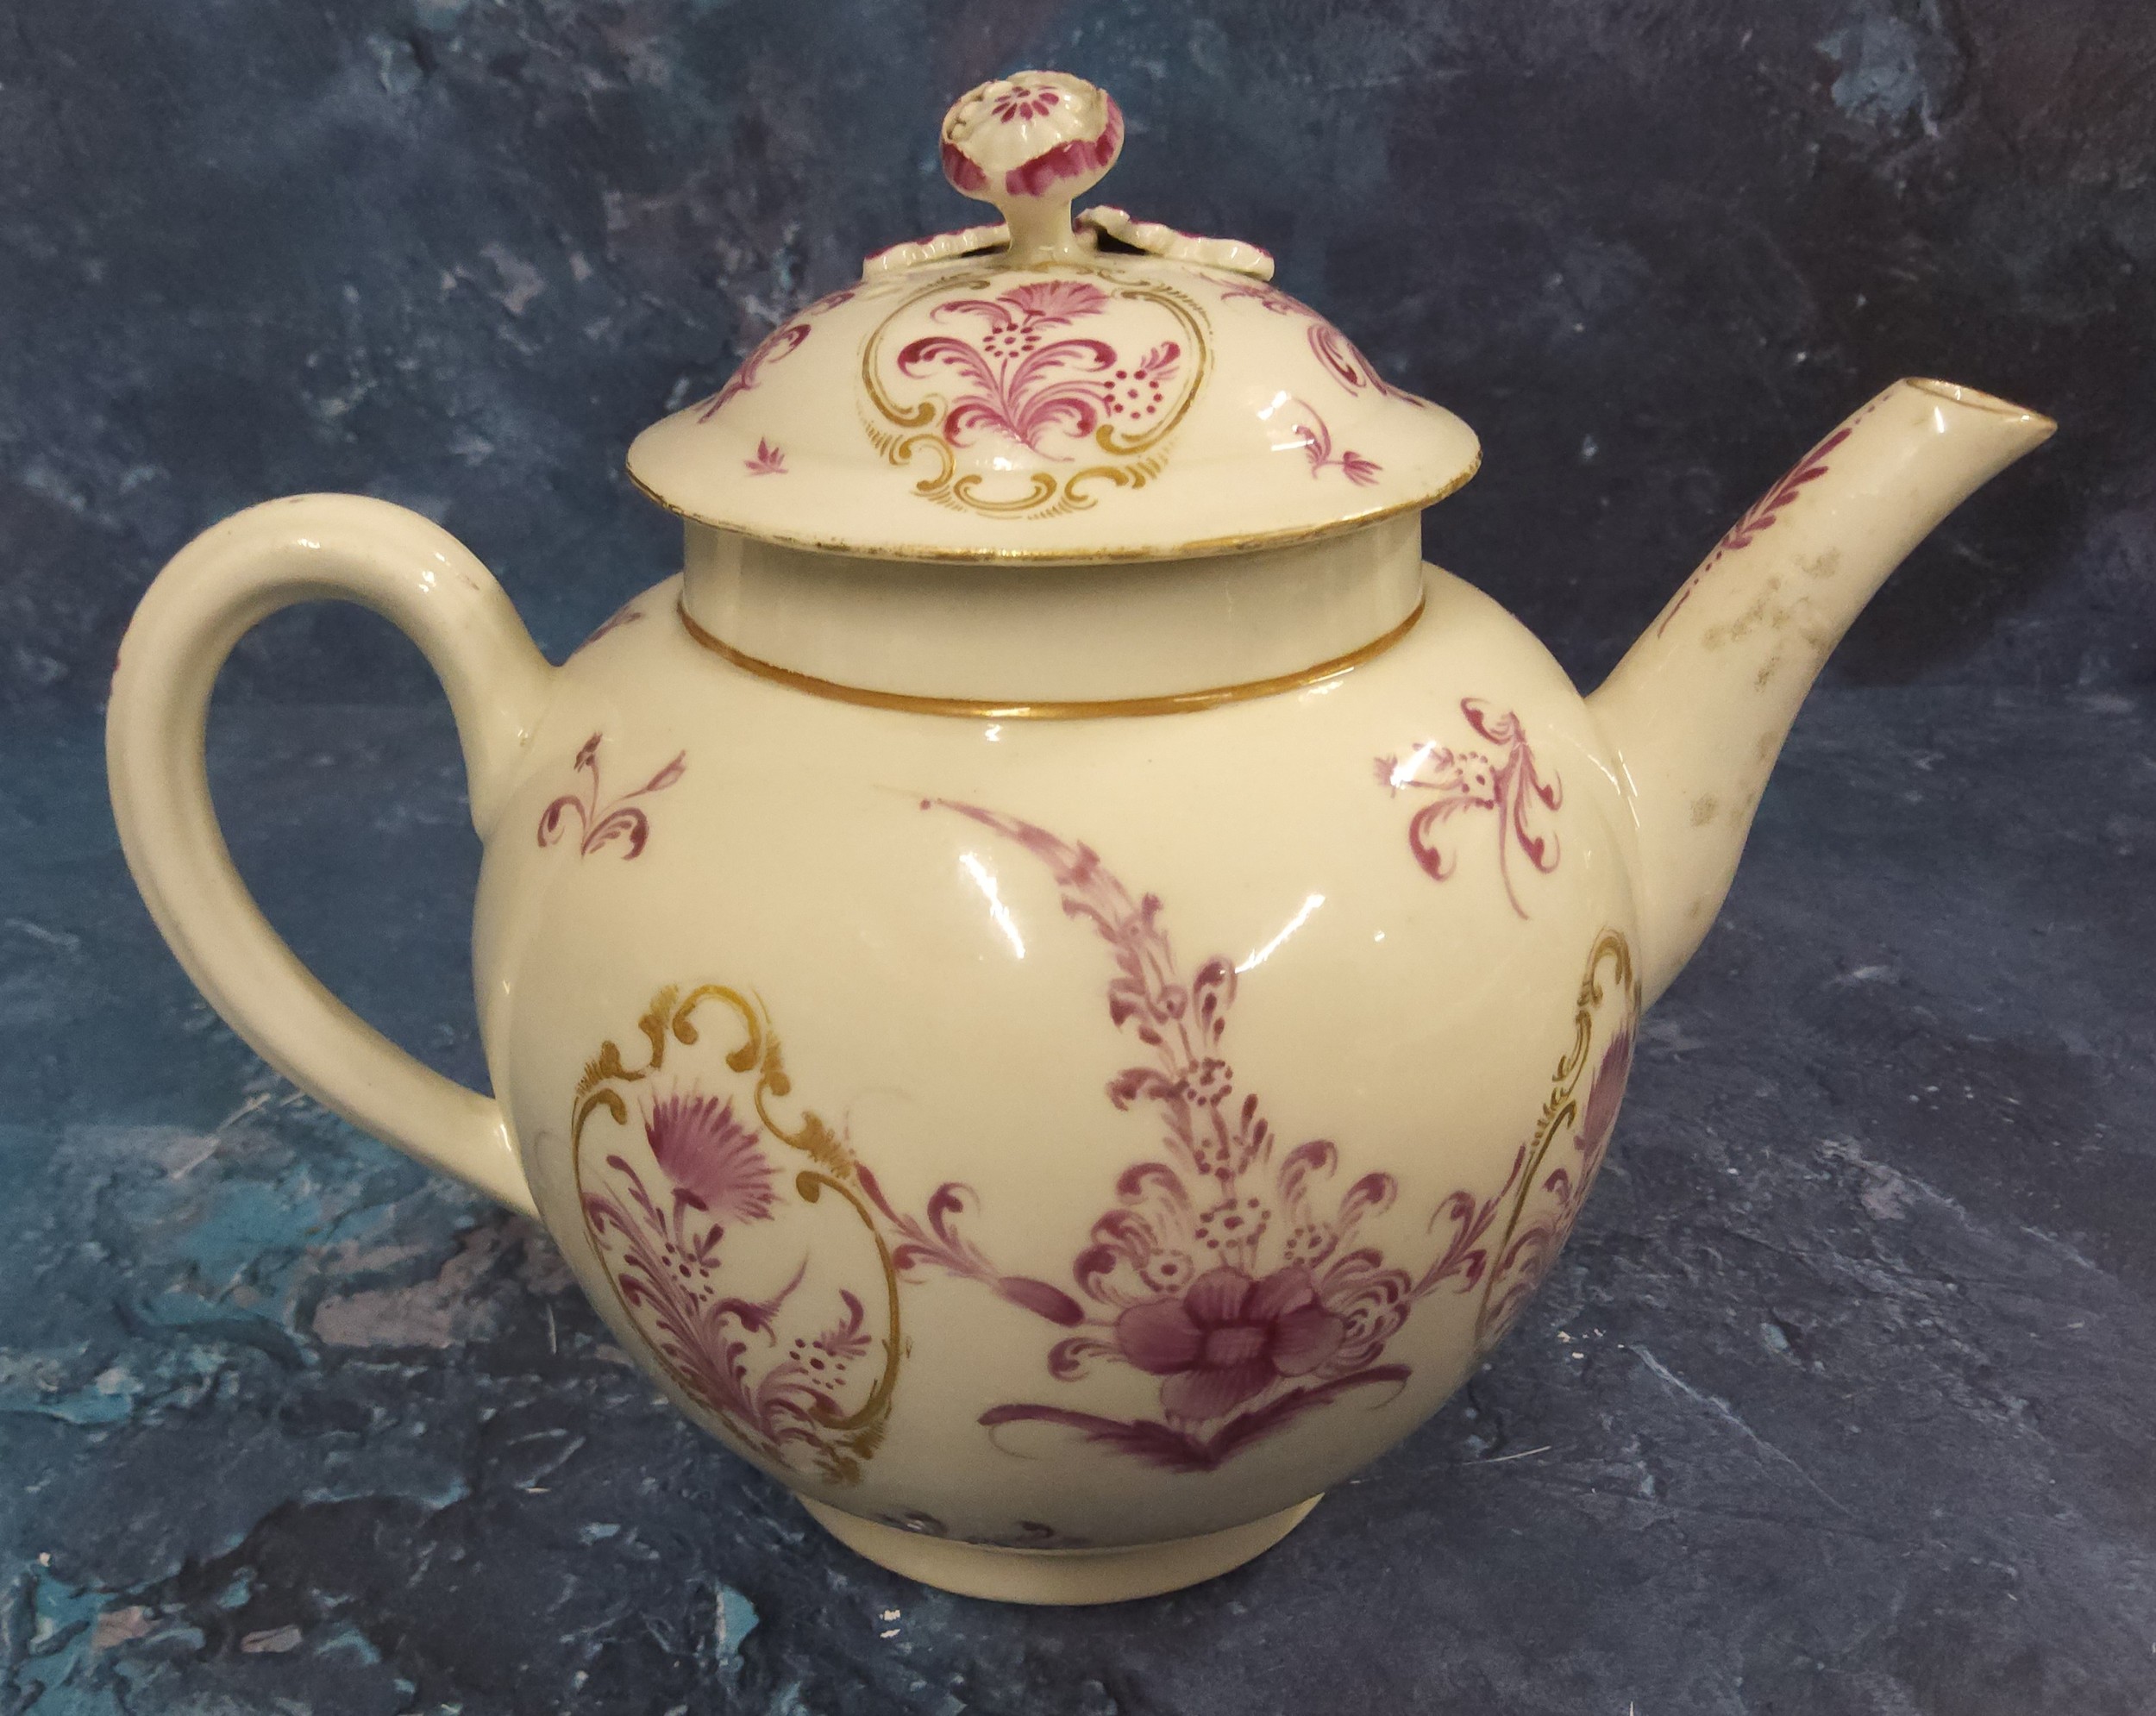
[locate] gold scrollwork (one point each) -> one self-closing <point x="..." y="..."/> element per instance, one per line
<point x="900" y="439"/>
<point x="967" y="492"/>
<point x="847" y="1439"/>
<point x="1560" y="1111"/>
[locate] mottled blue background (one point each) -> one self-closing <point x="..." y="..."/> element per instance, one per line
<point x="457" y="252"/>
<point x="1838" y="1404"/>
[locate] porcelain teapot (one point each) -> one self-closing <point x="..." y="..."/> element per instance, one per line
<point x="1057" y="987"/>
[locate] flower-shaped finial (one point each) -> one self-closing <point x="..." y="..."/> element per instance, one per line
<point x="1031" y="143"/>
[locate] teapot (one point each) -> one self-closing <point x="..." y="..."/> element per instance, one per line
<point x="1057" y="987"/>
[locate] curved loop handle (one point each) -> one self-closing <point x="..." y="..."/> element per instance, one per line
<point x="422" y="578"/>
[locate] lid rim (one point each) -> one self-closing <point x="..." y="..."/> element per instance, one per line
<point x="1198" y="549"/>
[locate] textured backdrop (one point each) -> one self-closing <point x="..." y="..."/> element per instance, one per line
<point x="457" y="252"/>
<point x="1839" y="1403"/>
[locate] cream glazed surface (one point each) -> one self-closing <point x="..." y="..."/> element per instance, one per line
<point x="1205" y="1090"/>
<point x="1058" y="988"/>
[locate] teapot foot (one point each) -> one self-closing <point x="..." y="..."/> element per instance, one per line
<point x="1023" y="1576"/>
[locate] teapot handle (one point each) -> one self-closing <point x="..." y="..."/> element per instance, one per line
<point x="426" y="582"/>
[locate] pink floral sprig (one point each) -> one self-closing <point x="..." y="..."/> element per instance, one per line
<point x="1316" y="441"/>
<point x="664" y="1269"/>
<point x="777" y="344"/>
<point x="1760" y="517"/>
<point x="621" y="820"/>
<point x="1219" y="1272"/>
<point x="1020" y="383"/>
<point x="1509" y="783"/>
<point x="1342" y="360"/>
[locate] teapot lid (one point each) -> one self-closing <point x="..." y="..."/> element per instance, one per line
<point x="1037" y="390"/>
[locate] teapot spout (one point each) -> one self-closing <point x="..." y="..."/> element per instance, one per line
<point x="1695" y="713"/>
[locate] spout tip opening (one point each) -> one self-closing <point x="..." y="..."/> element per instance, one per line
<point x="2041" y="425"/>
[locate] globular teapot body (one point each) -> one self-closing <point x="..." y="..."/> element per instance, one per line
<point x="1057" y="987"/>
<point x="1077" y="1131"/>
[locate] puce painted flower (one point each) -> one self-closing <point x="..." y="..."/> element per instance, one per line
<point x="1023" y="386"/>
<point x="1229" y="1338"/>
<point x="1025" y="101"/>
<point x="710" y="1156"/>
